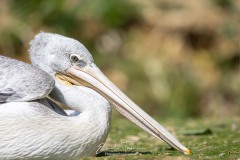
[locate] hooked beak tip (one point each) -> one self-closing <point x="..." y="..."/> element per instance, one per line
<point x="187" y="152"/>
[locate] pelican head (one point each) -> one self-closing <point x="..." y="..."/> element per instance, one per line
<point x="67" y="59"/>
<point x="56" y="54"/>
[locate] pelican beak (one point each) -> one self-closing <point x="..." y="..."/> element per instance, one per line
<point x="92" y="77"/>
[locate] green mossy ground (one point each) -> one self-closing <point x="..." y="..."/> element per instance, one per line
<point x="126" y="141"/>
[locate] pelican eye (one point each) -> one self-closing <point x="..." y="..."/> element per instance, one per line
<point x="75" y="58"/>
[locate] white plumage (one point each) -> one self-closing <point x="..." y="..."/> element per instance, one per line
<point x="34" y="127"/>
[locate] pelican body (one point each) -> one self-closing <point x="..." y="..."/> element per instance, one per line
<point x="32" y="126"/>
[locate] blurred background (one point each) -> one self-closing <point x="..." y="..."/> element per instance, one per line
<point x="172" y="57"/>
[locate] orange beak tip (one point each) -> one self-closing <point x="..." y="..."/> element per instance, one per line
<point x="187" y="152"/>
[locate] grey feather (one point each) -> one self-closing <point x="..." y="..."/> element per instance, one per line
<point x="55" y="107"/>
<point x="5" y="94"/>
<point x="20" y="81"/>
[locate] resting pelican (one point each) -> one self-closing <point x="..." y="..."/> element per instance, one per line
<point x="34" y="127"/>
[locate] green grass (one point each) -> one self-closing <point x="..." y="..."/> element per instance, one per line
<point x="126" y="141"/>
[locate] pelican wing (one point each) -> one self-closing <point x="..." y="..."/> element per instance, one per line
<point x="5" y="94"/>
<point x="20" y="81"/>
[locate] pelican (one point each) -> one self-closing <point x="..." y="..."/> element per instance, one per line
<point x="33" y="126"/>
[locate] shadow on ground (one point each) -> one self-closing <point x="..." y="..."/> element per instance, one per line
<point x="117" y="153"/>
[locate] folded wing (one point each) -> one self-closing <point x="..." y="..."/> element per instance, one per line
<point x="20" y="81"/>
